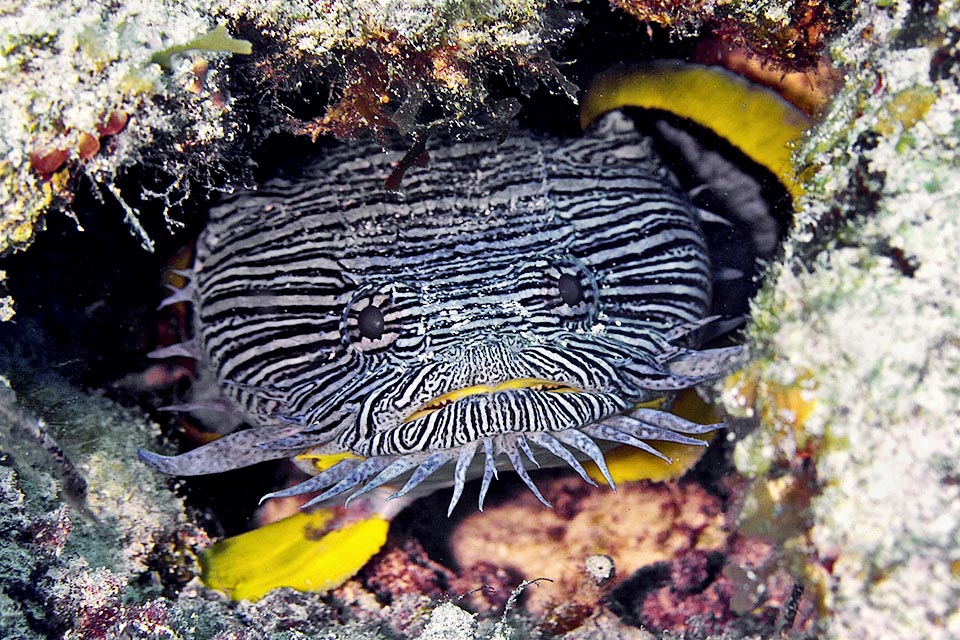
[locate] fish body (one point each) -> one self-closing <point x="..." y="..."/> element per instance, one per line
<point x="516" y="301"/>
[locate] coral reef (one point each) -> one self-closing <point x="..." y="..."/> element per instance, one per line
<point x="82" y="528"/>
<point x="96" y="90"/>
<point x="84" y="96"/>
<point x="851" y="403"/>
<point x="788" y="35"/>
<point x="857" y="337"/>
<point x="416" y="67"/>
<point x="92" y="546"/>
<point x="639" y="525"/>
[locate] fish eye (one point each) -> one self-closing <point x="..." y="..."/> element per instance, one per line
<point x="370" y="323"/>
<point x="571" y="292"/>
<point x="383" y="317"/>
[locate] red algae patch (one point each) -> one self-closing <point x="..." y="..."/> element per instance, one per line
<point x="642" y="524"/>
<point x="655" y="556"/>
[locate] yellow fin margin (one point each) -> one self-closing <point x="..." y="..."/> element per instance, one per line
<point x="300" y="552"/>
<point x="752" y="118"/>
<point x="627" y="464"/>
<point x="314" y="463"/>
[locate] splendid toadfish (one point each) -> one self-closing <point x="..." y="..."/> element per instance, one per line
<point x="514" y="306"/>
<point x="516" y="300"/>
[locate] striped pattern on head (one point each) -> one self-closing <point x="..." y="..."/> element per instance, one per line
<point x="515" y="297"/>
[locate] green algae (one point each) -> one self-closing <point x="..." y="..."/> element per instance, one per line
<point x="218" y="40"/>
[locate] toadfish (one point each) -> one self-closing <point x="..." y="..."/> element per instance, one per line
<point x="516" y="304"/>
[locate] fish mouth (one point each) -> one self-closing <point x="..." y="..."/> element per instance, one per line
<point x="533" y="384"/>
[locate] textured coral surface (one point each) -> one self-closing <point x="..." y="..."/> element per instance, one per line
<point x="94" y="91"/>
<point x="637" y="526"/>
<point x="853" y="393"/>
<point x="860" y="323"/>
<point x="83" y="97"/>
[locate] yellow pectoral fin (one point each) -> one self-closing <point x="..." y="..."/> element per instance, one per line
<point x="752" y="118"/>
<point x="300" y="552"/>
<point x="627" y="464"/>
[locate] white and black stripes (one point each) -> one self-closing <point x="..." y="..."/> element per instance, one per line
<point x="517" y="299"/>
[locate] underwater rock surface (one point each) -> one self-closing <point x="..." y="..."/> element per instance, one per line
<point x="857" y="337"/>
<point x="111" y="555"/>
